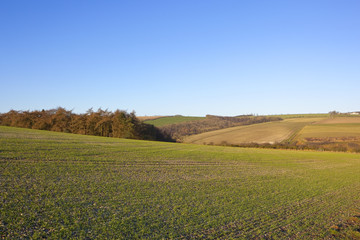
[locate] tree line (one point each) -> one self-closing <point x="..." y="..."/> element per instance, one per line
<point x="211" y="123"/>
<point x="119" y="124"/>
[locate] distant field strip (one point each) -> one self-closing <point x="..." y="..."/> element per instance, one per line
<point x="310" y="115"/>
<point x="335" y="127"/>
<point x="66" y="186"/>
<point x="271" y="132"/>
<point x="330" y="130"/>
<point x="340" y="120"/>
<point x="147" y="118"/>
<point x="163" y="121"/>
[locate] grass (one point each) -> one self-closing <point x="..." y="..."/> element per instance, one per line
<point x="56" y="185"/>
<point x="258" y="133"/>
<point x="348" y="229"/>
<point x="163" y="121"/>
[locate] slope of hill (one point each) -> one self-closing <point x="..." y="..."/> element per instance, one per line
<point x="338" y="120"/>
<point x="148" y="118"/>
<point x="306" y="115"/>
<point x="180" y="130"/>
<point x="66" y="186"/>
<point x="163" y="121"/>
<point x="342" y="133"/>
<point x="270" y="132"/>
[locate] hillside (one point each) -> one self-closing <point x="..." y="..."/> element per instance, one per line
<point x="341" y="133"/>
<point x="181" y="130"/>
<point x="270" y="132"/>
<point x="147" y="118"/>
<point x="67" y="186"/>
<point x="163" y="121"/>
<point x="336" y="127"/>
<point x="332" y="134"/>
<point x="307" y="115"/>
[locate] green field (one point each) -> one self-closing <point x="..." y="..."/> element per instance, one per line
<point x="270" y="132"/>
<point x="163" y="121"/>
<point x="56" y="185"/>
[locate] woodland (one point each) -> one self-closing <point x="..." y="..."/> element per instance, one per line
<point x="119" y="124"/>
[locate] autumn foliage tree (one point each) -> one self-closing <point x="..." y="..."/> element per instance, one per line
<point x="105" y="123"/>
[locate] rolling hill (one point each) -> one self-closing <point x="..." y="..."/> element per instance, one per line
<point x="339" y="134"/>
<point x="270" y="132"/>
<point x="168" y="120"/>
<point x="60" y="186"/>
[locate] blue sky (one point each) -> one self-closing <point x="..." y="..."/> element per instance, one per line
<point x="181" y="57"/>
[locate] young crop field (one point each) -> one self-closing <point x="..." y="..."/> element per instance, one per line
<point x="65" y="186"/>
<point x="270" y="132"/>
<point x="163" y="121"/>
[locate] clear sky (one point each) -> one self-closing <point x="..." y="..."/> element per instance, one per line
<point x="188" y="57"/>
